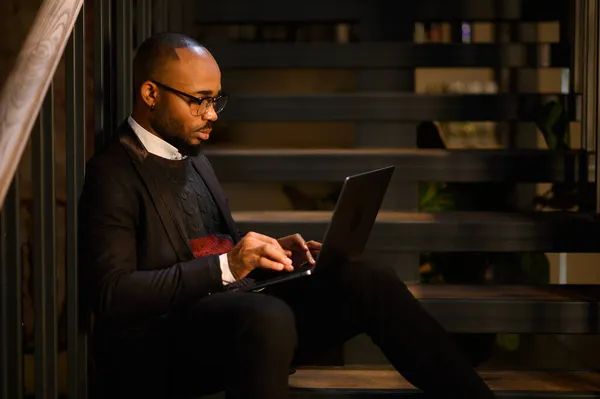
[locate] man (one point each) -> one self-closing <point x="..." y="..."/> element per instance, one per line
<point x="159" y="246"/>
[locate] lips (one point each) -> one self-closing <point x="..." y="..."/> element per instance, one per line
<point x="204" y="134"/>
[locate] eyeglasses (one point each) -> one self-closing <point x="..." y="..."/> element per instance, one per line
<point x="199" y="105"/>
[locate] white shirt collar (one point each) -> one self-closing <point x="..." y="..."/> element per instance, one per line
<point x="154" y="144"/>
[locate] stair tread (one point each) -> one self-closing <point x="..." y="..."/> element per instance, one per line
<point x="388" y="106"/>
<point x="498" y="380"/>
<point x="498" y="292"/>
<point x="402" y="232"/>
<point x="374" y="54"/>
<point x="412" y="217"/>
<point x="350" y="11"/>
<point x="243" y="151"/>
<point x="244" y="164"/>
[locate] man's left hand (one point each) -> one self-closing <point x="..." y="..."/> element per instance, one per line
<point x="295" y="244"/>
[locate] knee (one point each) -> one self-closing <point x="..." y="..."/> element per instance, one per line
<point x="268" y="322"/>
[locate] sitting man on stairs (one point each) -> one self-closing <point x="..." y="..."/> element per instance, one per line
<point x="159" y="245"/>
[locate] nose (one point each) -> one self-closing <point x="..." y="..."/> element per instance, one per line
<point x="210" y="114"/>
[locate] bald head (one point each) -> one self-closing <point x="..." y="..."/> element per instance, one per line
<point x="174" y="76"/>
<point x="156" y="53"/>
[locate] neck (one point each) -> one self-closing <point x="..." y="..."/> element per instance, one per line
<point x="141" y="117"/>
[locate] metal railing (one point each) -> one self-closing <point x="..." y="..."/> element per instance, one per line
<point x="29" y="105"/>
<point x="29" y="91"/>
<point x="28" y="110"/>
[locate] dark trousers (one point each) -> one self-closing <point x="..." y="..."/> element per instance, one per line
<point x="246" y="343"/>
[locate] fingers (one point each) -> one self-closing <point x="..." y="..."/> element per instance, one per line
<point x="313" y="248"/>
<point x="264" y="239"/>
<point x="314" y="245"/>
<point x="298" y="241"/>
<point x="294" y="241"/>
<point x="273" y="257"/>
<point x="276" y="254"/>
<point x="265" y="263"/>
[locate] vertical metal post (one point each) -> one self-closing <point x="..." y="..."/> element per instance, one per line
<point x="159" y="16"/>
<point x="123" y="46"/>
<point x="593" y="87"/>
<point x="75" y="146"/>
<point x="11" y="339"/>
<point x="103" y="67"/>
<point x="148" y="17"/>
<point x="44" y="256"/>
<point x="99" y="72"/>
<point x="143" y="17"/>
<point x="140" y="21"/>
<point x="507" y="79"/>
<point x="589" y="85"/>
<point x="583" y="73"/>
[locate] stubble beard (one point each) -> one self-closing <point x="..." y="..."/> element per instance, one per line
<point x="173" y="134"/>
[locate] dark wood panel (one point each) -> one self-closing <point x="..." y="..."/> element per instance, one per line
<point x="239" y="11"/>
<point x="446" y="231"/>
<point x="551" y="309"/>
<point x="391" y="106"/>
<point x="385" y="55"/>
<point x="244" y="165"/>
<point x="496" y="292"/>
<point x="553" y="381"/>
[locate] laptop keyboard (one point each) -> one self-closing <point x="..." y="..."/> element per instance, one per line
<point x="242" y="284"/>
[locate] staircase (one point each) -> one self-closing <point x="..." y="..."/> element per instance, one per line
<point x="277" y="133"/>
<point x="320" y="90"/>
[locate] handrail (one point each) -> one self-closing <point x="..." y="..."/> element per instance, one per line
<point x="27" y="84"/>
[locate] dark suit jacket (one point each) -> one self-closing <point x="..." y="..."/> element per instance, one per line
<point x="136" y="262"/>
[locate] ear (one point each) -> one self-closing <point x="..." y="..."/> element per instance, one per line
<point x="149" y="93"/>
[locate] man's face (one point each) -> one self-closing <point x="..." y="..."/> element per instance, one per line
<point x="195" y="73"/>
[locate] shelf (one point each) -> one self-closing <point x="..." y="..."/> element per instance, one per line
<point x="386" y="106"/>
<point x="551" y="309"/>
<point x="368" y="382"/>
<point x="385" y="55"/>
<point x="246" y="165"/>
<point x="445" y="231"/>
<point x="269" y="11"/>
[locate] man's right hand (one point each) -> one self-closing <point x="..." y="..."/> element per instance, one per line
<point x="257" y="251"/>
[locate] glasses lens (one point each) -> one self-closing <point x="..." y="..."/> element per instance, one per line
<point x="200" y="109"/>
<point x="197" y="109"/>
<point x="220" y="103"/>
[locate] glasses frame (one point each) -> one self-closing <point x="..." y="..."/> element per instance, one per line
<point x="196" y="100"/>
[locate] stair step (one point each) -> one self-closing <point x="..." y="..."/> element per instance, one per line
<point x="388" y="106"/>
<point x="371" y="382"/>
<point x="245" y="165"/>
<point x="551" y="309"/>
<point x="383" y="55"/>
<point x="351" y="11"/>
<point x="445" y="231"/>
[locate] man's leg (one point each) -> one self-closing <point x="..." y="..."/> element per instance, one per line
<point x="374" y="300"/>
<point x="242" y="343"/>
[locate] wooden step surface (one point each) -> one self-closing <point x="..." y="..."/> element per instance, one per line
<point x="444" y="231"/>
<point x="351" y="11"/>
<point x="388" y="107"/>
<point x="550" y="309"/>
<point x="413" y="165"/>
<point x="352" y="379"/>
<point x="383" y="55"/>
<point x="430" y="292"/>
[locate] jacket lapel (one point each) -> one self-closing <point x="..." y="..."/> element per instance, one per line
<point x="163" y="201"/>
<point x="207" y="173"/>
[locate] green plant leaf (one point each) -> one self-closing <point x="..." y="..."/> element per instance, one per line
<point x="509" y="342"/>
<point x="536" y="266"/>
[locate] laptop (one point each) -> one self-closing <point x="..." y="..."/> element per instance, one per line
<point x="345" y="238"/>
